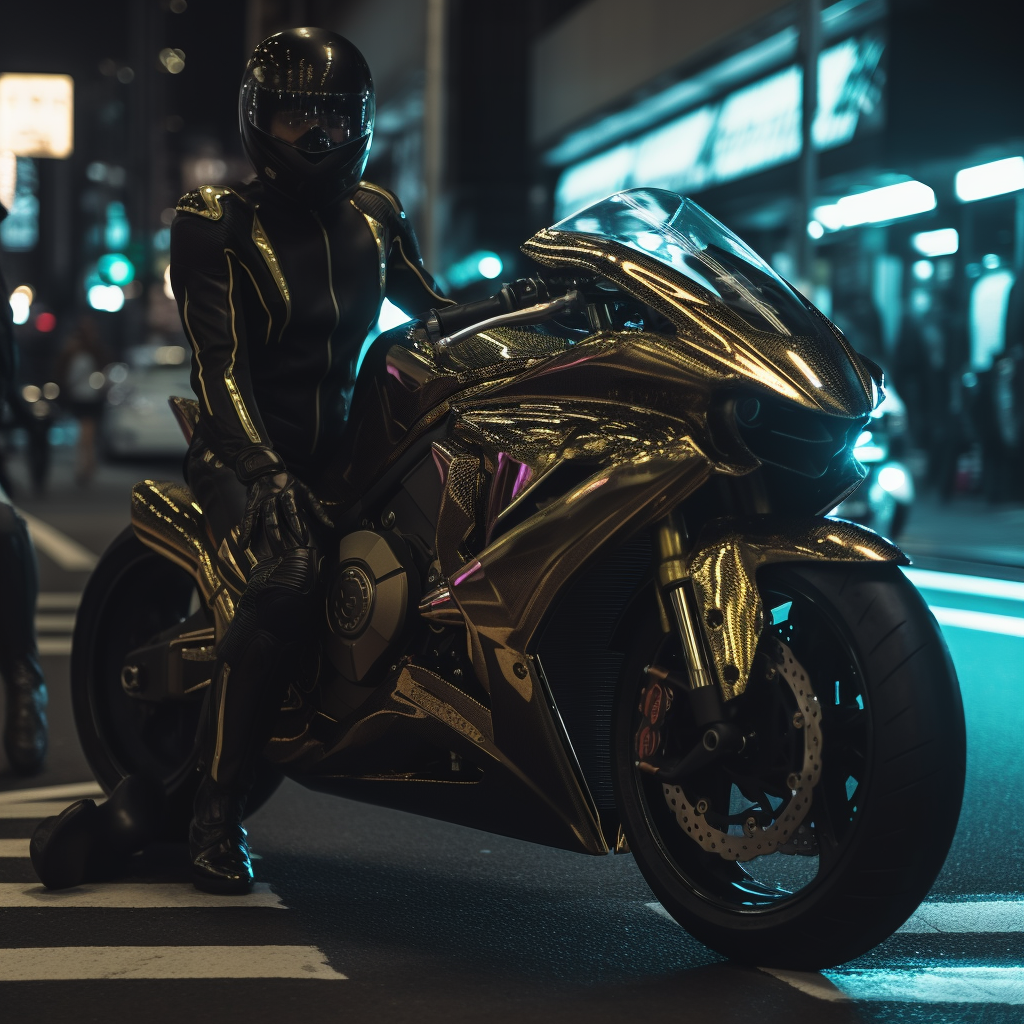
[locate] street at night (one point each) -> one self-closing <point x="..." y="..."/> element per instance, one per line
<point x="511" y="511"/>
<point x="363" y="912"/>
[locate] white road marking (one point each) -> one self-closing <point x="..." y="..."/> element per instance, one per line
<point x="33" y="809"/>
<point x="1002" y="916"/>
<point x="71" y="791"/>
<point x="13" y="847"/>
<point x="55" y="646"/>
<point x="129" y="896"/>
<point x="52" y="600"/>
<point x="46" y="623"/>
<point x="1003" y="985"/>
<point x="954" y="583"/>
<point x="810" y="983"/>
<point x="87" y="963"/>
<point x="934" y="985"/>
<point x="659" y="909"/>
<point x="983" y="622"/>
<point x="64" y="550"/>
<point x="986" y="916"/>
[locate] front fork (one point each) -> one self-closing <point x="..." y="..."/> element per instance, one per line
<point x="718" y="736"/>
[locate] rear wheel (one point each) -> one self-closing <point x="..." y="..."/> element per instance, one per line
<point x="134" y="595"/>
<point x="876" y="812"/>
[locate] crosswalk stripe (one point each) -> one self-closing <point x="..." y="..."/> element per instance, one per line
<point x="64" y="550"/>
<point x="70" y="791"/>
<point x="46" y="623"/>
<point x="54" y="646"/>
<point x="983" y="917"/>
<point x="93" y="963"/>
<point x="130" y="896"/>
<point x="13" y="847"/>
<point x="53" y="600"/>
<point x="1003" y="985"/>
<point x="1002" y="916"/>
<point x="32" y="809"/>
<point x="55" y="622"/>
<point x="982" y="622"/>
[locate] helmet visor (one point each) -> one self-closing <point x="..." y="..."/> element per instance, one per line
<point x="311" y="122"/>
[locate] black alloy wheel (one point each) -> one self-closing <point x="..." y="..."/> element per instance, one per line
<point x="883" y="810"/>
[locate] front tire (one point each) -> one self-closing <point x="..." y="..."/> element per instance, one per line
<point x="884" y="809"/>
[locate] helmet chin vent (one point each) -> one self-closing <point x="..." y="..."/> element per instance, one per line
<point x="314" y="158"/>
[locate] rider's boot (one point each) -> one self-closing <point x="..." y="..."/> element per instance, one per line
<point x="25" y="728"/>
<point x="87" y="842"/>
<point x="241" y="712"/>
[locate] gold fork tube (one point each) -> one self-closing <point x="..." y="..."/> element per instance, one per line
<point x="673" y="573"/>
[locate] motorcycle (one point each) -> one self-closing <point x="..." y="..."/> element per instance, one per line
<point x="582" y="592"/>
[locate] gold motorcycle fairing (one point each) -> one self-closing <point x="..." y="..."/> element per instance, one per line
<point x="630" y="410"/>
<point x="821" y="373"/>
<point x="724" y="564"/>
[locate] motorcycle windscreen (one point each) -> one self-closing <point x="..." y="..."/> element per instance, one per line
<point x="680" y="235"/>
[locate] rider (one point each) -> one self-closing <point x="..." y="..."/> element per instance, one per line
<point x="25" y="731"/>
<point x="277" y="283"/>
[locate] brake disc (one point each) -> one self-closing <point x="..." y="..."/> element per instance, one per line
<point x="762" y="841"/>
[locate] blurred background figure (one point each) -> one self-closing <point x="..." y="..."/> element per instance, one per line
<point x="79" y="373"/>
<point x="25" y="726"/>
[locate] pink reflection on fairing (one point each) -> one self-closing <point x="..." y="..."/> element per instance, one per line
<point x="468" y="573"/>
<point x="511" y="478"/>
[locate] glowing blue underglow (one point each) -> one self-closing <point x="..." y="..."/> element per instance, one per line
<point x="940" y="242"/>
<point x="991" y="179"/>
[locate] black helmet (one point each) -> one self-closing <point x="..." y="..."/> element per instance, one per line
<point x="306" y="114"/>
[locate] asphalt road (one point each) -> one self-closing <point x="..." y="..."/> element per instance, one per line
<point x="366" y="913"/>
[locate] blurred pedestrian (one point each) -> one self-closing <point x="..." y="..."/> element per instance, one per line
<point x="80" y="376"/>
<point x="25" y="725"/>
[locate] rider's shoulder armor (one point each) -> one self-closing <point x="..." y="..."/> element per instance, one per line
<point x="382" y="205"/>
<point x="207" y="201"/>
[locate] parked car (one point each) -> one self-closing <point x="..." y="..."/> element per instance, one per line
<point x="137" y="422"/>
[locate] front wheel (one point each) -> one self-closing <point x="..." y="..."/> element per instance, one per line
<point x="852" y="840"/>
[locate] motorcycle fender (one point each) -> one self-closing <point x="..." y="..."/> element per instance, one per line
<point x="723" y="569"/>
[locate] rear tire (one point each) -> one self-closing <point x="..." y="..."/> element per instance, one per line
<point x="132" y="595"/>
<point x="892" y="728"/>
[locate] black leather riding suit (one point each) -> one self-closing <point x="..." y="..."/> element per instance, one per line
<point x="276" y="301"/>
<point x="25" y="719"/>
